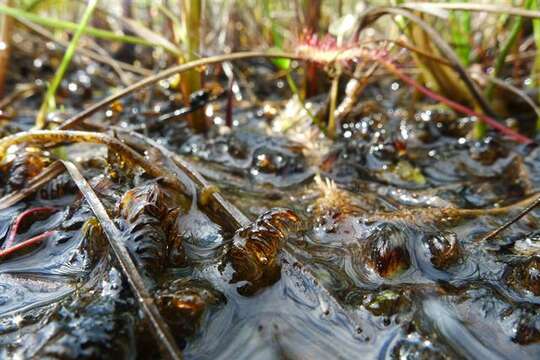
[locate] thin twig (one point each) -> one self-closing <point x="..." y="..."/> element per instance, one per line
<point x="406" y="45"/>
<point x="111" y="62"/>
<point x="510" y="222"/>
<point x="24" y="91"/>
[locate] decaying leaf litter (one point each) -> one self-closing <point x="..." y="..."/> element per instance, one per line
<point x="330" y="197"/>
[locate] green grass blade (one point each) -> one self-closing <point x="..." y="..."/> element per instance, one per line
<point x="49" y="101"/>
<point x="277" y="37"/>
<point x="505" y="49"/>
<point x="460" y="32"/>
<point x="70" y="26"/>
<point x="480" y="127"/>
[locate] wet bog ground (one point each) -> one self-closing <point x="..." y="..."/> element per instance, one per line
<point x="366" y="246"/>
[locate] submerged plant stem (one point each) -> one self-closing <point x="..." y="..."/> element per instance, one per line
<point x="49" y="173"/>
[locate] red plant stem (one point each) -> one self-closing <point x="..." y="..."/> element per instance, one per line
<point x="230" y="104"/>
<point x="454" y="105"/>
<point x="25" y="244"/>
<point x="18" y="221"/>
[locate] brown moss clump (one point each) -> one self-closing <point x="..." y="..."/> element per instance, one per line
<point x="255" y="249"/>
<point x="444" y="249"/>
<point x="385" y="251"/>
<point x="183" y="302"/>
<point x="526" y="276"/>
<point x="26" y="164"/>
<point x="144" y="212"/>
<point x="333" y="202"/>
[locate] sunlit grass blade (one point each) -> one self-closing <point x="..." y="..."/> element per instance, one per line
<point x="49" y="101"/>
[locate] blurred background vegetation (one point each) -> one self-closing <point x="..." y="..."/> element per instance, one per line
<point x="471" y="53"/>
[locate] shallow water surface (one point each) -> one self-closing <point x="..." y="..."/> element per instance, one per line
<point x="365" y="246"/>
